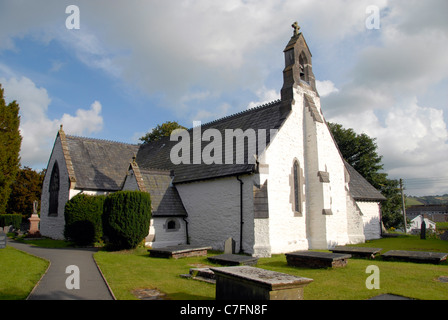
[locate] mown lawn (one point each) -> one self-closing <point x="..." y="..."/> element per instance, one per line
<point x="19" y="273"/>
<point x="126" y="271"/>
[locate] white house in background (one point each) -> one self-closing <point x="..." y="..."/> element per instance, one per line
<point x="416" y="224"/>
<point x="298" y="194"/>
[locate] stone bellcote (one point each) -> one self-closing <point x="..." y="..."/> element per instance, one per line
<point x="298" y="68"/>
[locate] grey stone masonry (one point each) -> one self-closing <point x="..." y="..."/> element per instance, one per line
<point x="416" y="256"/>
<point x="233" y="260"/>
<point x="362" y="252"/>
<point x="250" y="283"/>
<point x="313" y="259"/>
<point x="180" y="251"/>
<point x="2" y="240"/>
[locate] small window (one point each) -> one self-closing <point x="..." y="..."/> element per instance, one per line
<point x="297" y="199"/>
<point x="171" y="225"/>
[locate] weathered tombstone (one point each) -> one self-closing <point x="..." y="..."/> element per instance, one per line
<point x="423" y="230"/>
<point x="229" y="246"/>
<point x="2" y="240"/>
<point x="250" y="283"/>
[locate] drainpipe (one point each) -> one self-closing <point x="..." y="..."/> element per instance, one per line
<point x="186" y="228"/>
<point x="241" y="213"/>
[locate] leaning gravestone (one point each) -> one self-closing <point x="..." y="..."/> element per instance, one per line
<point x="229" y="246"/>
<point x="2" y="240"/>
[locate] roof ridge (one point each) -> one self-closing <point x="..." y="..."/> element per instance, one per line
<point x="257" y="108"/>
<point x="101" y="140"/>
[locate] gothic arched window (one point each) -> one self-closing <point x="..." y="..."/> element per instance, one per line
<point x="54" y="191"/>
<point x="303" y="62"/>
<point x="297" y="192"/>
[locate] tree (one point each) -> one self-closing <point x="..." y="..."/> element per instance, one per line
<point x="10" y="141"/>
<point x="163" y="130"/>
<point x="24" y="191"/>
<point x="360" y="151"/>
<point x="126" y="218"/>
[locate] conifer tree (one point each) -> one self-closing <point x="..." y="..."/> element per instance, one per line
<point x="10" y="141"/>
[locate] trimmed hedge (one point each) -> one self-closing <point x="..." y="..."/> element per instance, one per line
<point x="126" y="218"/>
<point x="10" y="219"/>
<point x="83" y="223"/>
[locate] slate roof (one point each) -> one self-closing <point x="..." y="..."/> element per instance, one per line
<point x="360" y="188"/>
<point x="102" y="164"/>
<point x="165" y="199"/>
<point x="99" y="164"/>
<point x="157" y="154"/>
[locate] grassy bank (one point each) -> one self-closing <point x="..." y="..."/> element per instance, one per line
<point x="19" y="273"/>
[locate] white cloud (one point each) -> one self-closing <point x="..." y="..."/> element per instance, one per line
<point x="37" y="129"/>
<point x="264" y="96"/>
<point x="325" y="88"/>
<point x="194" y="52"/>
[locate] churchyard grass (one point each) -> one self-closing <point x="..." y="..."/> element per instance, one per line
<point x="126" y="271"/>
<point x="19" y="273"/>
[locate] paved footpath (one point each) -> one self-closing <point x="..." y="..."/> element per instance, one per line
<point x="52" y="286"/>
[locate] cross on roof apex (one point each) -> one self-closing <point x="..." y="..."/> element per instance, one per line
<point x="296" y="27"/>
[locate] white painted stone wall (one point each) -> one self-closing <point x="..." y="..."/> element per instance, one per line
<point x="321" y="154"/>
<point x="53" y="226"/>
<point x="286" y="231"/>
<point x="213" y="208"/>
<point x="334" y="193"/>
<point x="371" y="219"/>
<point x="164" y="237"/>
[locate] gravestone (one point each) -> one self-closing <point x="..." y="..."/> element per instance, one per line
<point x="229" y="246"/>
<point x="250" y="283"/>
<point x="2" y="240"/>
<point x="423" y="230"/>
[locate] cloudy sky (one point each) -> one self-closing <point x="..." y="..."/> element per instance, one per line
<point x="134" y="64"/>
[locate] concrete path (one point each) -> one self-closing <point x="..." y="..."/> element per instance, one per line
<point x="52" y="286"/>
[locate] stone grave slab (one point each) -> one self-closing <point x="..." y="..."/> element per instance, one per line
<point x="362" y="252"/>
<point x="3" y="240"/>
<point x="181" y="251"/>
<point x="233" y="260"/>
<point x="415" y="256"/>
<point x="251" y="283"/>
<point x="202" y="274"/>
<point x="315" y="259"/>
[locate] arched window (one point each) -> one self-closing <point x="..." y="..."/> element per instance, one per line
<point x="54" y="191"/>
<point x="303" y="62"/>
<point x="297" y="193"/>
<point x="171" y="225"/>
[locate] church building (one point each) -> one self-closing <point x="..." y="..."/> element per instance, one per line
<point x="281" y="186"/>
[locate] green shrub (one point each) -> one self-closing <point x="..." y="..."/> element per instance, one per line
<point x="10" y="219"/>
<point x="83" y="223"/>
<point x="126" y="218"/>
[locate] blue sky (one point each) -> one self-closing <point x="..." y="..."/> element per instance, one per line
<point x="135" y="64"/>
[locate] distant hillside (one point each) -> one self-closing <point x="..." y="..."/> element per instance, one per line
<point x="411" y="201"/>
